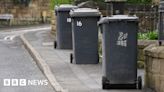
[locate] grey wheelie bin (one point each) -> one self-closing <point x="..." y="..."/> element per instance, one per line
<point x="64" y="31"/>
<point x="85" y="36"/>
<point x="119" y="38"/>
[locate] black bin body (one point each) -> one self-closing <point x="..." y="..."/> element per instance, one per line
<point x="161" y="22"/>
<point x="119" y="38"/>
<point x="85" y="35"/>
<point x="64" y="30"/>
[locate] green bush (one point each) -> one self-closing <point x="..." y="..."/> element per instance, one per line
<point x="148" y="36"/>
<point x="58" y="2"/>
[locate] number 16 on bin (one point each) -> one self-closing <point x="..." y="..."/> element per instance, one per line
<point x="79" y="24"/>
<point x="122" y="39"/>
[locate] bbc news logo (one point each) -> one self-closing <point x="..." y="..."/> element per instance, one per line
<point x="24" y="82"/>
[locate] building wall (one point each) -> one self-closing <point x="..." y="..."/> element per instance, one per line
<point x="33" y="12"/>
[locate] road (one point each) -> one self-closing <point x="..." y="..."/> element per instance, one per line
<point x="11" y="33"/>
<point x="17" y="64"/>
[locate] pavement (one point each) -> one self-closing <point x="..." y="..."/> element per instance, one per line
<point x="16" y="63"/>
<point x="55" y="64"/>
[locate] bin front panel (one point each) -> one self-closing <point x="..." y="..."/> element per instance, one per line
<point x="120" y="51"/>
<point x="64" y="31"/>
<point x="85" y="40"/>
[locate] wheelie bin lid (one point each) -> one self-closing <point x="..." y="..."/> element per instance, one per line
<point x="115" y="18"/>
<point x="64" y="7"/>
<point x="85" y="12"/>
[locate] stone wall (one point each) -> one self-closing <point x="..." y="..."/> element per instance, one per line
<point x="154" y="58"/>
<point x="53" y="22"/>
<point x="37" y="11"/>
<point x="142" y="44"/>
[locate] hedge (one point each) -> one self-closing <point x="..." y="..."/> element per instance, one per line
<point x="58" y="2"/>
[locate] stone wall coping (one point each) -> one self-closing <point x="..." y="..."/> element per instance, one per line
<point x="155" y="51"/>
<point x="144" y="43"/>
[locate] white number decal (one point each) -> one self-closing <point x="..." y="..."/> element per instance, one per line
<point x="68" y="20"/>
<point x="122" y="39"/>
<point x="79" y="24"/>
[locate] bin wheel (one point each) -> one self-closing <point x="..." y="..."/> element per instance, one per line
<point x="55" y="44"/>
<point x="105" y="85"/>
<point x="98" y="59"/>
<point x="71" y="58"/>
<point x="160" y="43"/>
<point x="140" y="82"/>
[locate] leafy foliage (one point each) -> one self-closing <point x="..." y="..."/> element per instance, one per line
<point x="58" y="2"/>
<point x="148" y="36"/>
